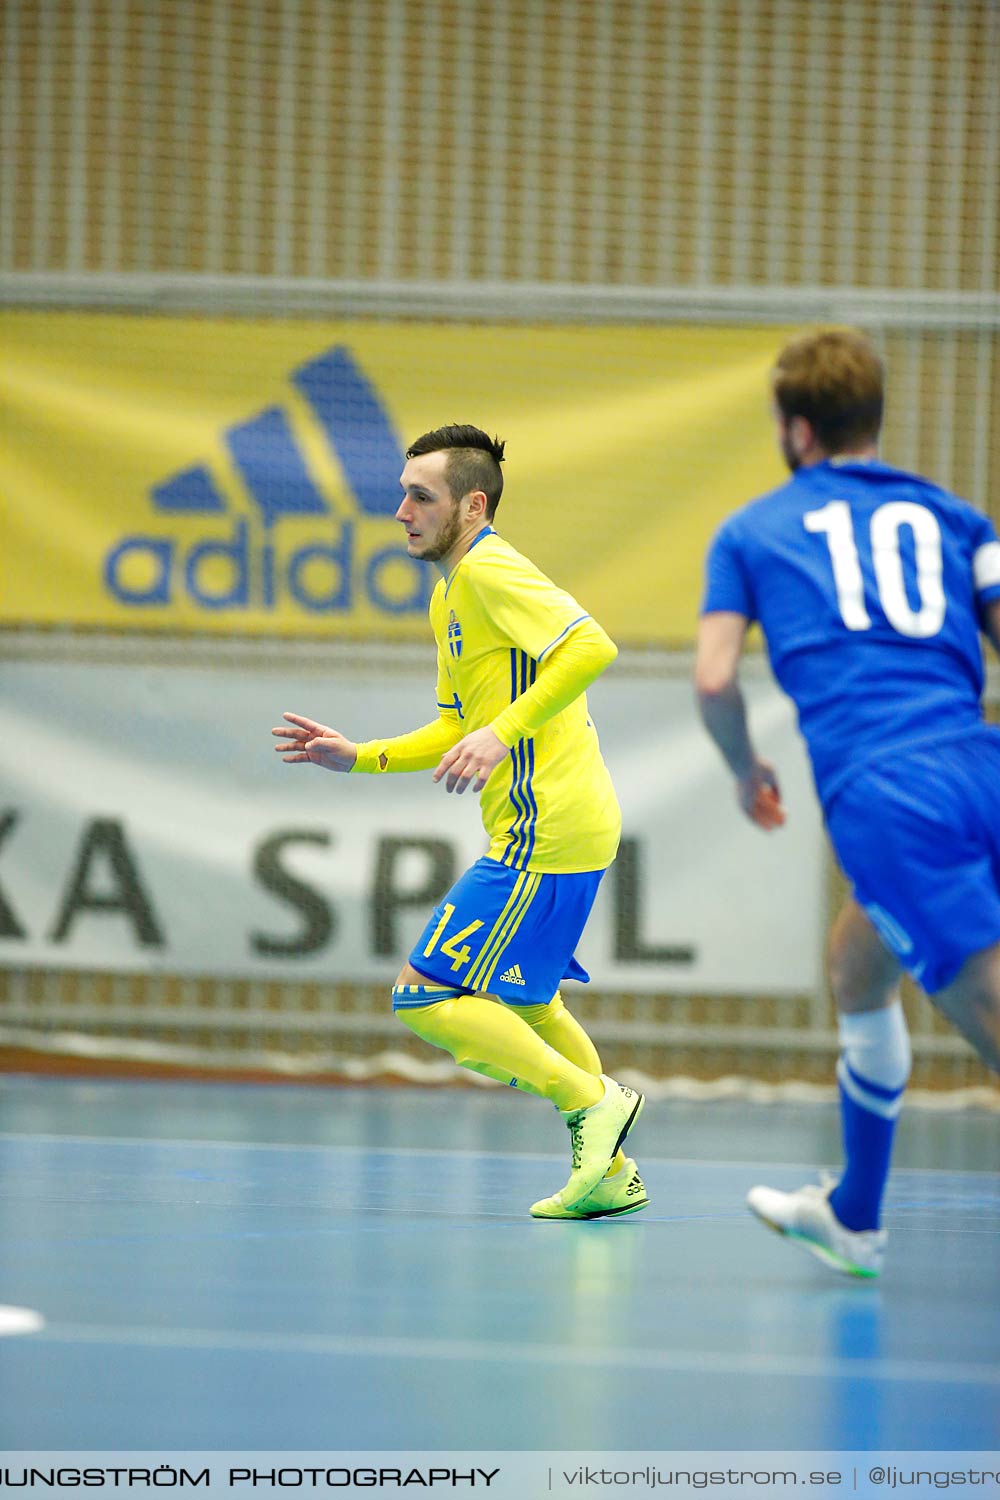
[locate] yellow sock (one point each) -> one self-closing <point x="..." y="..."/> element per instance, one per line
<point x="493" y="1040"/>
<point x="557" y="1026"/>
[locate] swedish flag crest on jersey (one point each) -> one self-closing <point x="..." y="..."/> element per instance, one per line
<point x="454" y="636"/>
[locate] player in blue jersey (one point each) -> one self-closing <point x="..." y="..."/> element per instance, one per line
<point x="871" y="587"/>
<point x="515" y="655"/>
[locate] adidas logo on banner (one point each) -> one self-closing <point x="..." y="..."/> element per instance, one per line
<point x="294" y="551"/>
<point x="513" y="975"/>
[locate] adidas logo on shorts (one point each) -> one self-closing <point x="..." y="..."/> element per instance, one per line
<point x="513" y="975"/>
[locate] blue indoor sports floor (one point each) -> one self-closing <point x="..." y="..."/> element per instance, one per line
<point x="223" y="1266"/>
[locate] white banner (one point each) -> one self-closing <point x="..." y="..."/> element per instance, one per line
<point x="147" y="825"/>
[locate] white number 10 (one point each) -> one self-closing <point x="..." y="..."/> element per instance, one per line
<point x="836" y="522"/>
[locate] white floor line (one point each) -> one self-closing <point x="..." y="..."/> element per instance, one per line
<point x="345" y="1149"/>
<point x="722" y="1362"/>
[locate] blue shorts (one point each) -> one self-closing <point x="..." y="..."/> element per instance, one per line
<point x="918" y="836"/>
<point x="509" y="933"/>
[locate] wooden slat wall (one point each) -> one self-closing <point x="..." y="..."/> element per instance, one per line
<point x="723" y="142"/>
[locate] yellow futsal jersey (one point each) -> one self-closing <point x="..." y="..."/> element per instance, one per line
<point x="550" y="806"/>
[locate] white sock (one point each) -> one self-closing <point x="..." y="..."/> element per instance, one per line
<point x="875" y="1049"/>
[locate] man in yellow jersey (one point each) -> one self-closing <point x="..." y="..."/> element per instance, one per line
<point x="515" y="656"/>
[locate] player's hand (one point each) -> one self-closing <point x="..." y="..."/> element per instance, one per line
<point x="760" y="797"/>
<point x="304" y="742"/>
<point x="473" y="759"/>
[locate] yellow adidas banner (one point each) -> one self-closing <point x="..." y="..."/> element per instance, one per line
<point x="167" y="473"/>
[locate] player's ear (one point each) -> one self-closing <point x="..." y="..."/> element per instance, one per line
<point x="801" y="435"/>
<point x="477" y="502"/>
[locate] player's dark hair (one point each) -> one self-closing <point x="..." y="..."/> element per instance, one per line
<point x="834" y="379"/>
<point x="473" y="461"/>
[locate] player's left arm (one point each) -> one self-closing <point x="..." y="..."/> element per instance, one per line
<point x="721" y="636"/>
<point x="565" y="671"/>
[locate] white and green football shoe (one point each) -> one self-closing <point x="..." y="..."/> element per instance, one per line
<point x="806" y="1216"/>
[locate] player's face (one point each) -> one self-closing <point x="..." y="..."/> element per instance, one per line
<point x="432" y="517"/>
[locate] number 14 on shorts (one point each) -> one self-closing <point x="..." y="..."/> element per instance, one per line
<point x="458" y="956"/>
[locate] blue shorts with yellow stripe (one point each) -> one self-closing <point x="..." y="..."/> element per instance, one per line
<point x="509" y="933"/>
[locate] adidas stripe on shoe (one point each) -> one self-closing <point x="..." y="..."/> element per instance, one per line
<point x="624" y="1193"/>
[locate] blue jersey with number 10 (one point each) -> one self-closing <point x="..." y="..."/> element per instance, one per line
<point x="867" y="583"/>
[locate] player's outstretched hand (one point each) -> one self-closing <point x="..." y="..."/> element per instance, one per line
<point x="304" y="742"/>
<point x="760" y="797"/>
<point x="473" y="759"/>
